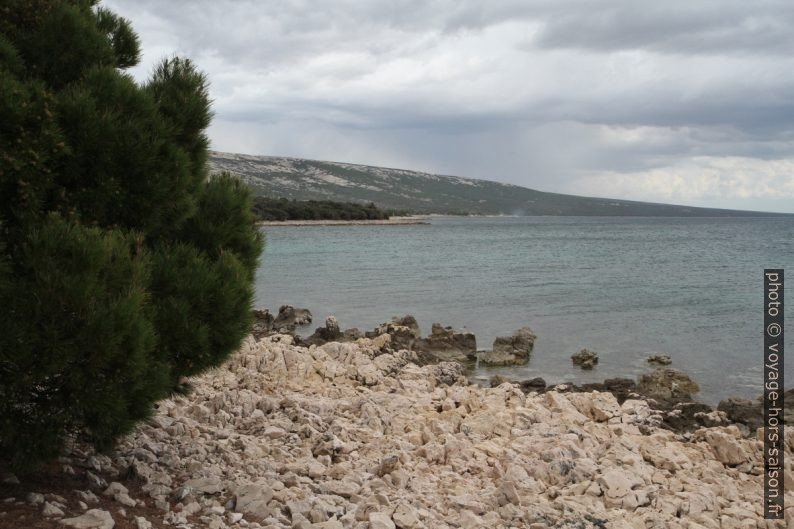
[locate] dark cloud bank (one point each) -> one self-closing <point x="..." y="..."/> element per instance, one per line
<point x="688" y="102"/>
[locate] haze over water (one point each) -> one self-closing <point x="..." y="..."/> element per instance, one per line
<point x="624" y="287"/>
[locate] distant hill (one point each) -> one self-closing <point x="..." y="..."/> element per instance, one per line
<point x="419" y="192"/>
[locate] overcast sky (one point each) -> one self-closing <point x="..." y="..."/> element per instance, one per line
<point x="680" y="101"/>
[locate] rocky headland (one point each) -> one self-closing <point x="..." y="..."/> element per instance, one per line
<point x="365" y="433"/>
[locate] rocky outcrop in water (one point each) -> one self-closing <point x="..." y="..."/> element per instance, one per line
<point x="448" y="344"/>
<point x="404" y="332"/>
<point x="586" y="359"/>
<point x="510" y="350"/>
<point x="443" y="344"/>
<point x="660" y="359"/>
<point x="331" y="333"/>
<point x="667" y="383"/>
<point x="287" y="319"/>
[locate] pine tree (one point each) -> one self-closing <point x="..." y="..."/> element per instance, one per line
<point x="124" y="266"/>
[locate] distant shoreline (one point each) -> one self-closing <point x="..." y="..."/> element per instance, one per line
<point x="394" y="221"/>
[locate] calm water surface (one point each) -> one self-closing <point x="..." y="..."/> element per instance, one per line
<point x="691" y="288"/>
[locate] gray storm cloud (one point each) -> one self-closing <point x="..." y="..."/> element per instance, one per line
<point x="688" y="102"/>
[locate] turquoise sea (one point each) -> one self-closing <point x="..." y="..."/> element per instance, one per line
<point x="624" y="287"/>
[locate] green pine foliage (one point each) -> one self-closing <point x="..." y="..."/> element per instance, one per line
<point x="284" y="209"/>
<point x="124" y="267"/>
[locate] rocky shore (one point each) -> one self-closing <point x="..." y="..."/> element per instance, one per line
<point x="358" y="435"/>
<point x="670" y="393"/>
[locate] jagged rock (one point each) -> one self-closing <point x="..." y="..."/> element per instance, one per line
<point x="507" y="494"/>
<point x="345" y="489"/>
<point x="468" y="520"/>
<point x="408" y="321"/>
<point x="533" y="384"/>
<point x="119" y="492"/>
<point x="498" y="380"/>
<point x="405" y="517"/>
<point x="96" y="481"/>
<point x="289" y="317"/>
<point x="380" y="520"/>
<point x="599" y="407"/>
<point x="331" y="333"/>
<point x="586" y="359"/>
<point x="510" y="350"/>
<point x="447" y="344"/>
<point x="448" y="373"/>
<point x="351" y="335"/>
<point x="685" y="415"/>
<point x="252" y="499"/>
<point x="744" y="411"/>
<point x="660" y="359"/>
<point x="621" y="388"/>
<point x="618" y="488"/>
<point x="332" y="327"/>
<point x="388" y="465"/>
<point x="92" y="519"/>
<point x="404" y="332"/>
<point x="55" y="498"/>
<point x="34" y="497"/>
<point x="142" y="523"/>
<point x="87" y="496"/>
<point x="724" y="444"/>
<point x="49" y="510"/>
<point x="666" y="383"/>
<point x="263" y="323"/>
<point x="209" y="485"/>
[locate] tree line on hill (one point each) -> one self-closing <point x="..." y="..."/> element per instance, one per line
<point x="280" y="209"/>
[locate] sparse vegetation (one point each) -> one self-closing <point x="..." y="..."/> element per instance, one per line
<point x="424" y="193"/>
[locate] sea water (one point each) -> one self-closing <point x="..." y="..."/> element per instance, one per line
<point x="624" y="287"/>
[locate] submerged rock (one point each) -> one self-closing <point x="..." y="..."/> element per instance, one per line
<point x="586" y="359"/>
<point x="510" y="350"/>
